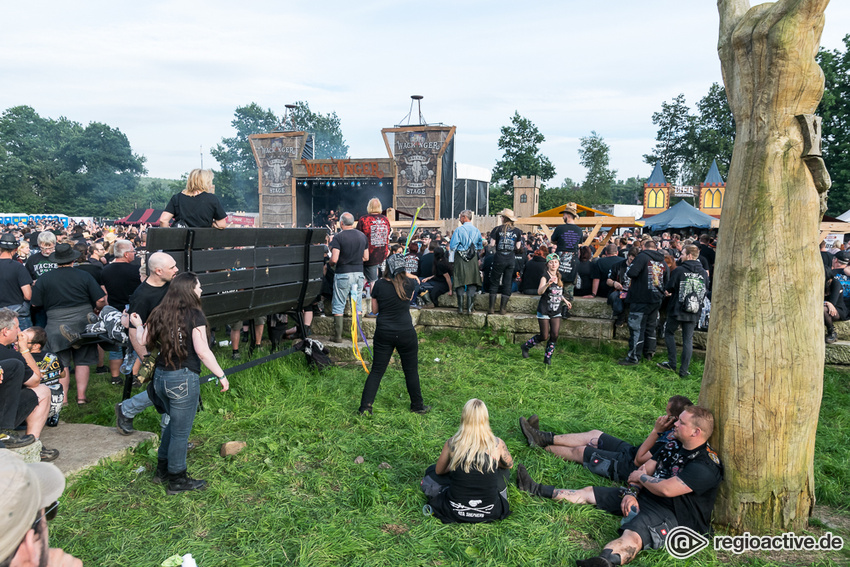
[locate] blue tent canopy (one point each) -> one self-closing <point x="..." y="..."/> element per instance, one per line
<point x="680" y="215"/>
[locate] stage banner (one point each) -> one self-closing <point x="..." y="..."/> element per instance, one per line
<point x="274" y="154"/>
<point x="417" y="155"/>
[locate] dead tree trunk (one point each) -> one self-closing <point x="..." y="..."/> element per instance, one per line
<point x="764" y="365"/>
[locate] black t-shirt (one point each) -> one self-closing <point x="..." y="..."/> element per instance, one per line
<point x="184" y="334"/>
<point x="7" y="352"/>
<point x="505" y="239"/>
<point x="96" y="270"/>
<point x="197" y="211"/>
<point x="393" y="311"/>
<point x="440" y="271"/>
<point x="604" y="266"/>
<point x="534" y="270"/>
<point x="38" y="264"/>
<point x="145" y="298"/>
<point x="701" y="471"/>
<point x="567" y="238"/>
<point x="351" y="244"/>
<point x="426" y="265"/>
<point x="65" y="287"/>
<point x="474" y="495"/>
<point x="120" y="279"/>
<point x="13" y="276"/>
<point x="587" y="272"/>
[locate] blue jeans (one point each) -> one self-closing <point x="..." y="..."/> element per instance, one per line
<point x="131" y="407"/>
<point x="179" y="391"/>
<point x="347" y="286"/>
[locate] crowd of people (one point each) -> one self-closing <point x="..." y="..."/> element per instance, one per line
<point x="62" y="288"/>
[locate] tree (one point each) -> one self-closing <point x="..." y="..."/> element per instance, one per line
<point x="237" y="184"/>
<point x="628" y="192"/>
<point x="675" y="126"/>
<point x="713" y="136"/>
<point x="593" y="155"/>
<point x="59" y="166"/>
<point x="520" y="144"/>
<point x="764" y="363"/>
<point x="835" y="110"/>
<point x="330" y="144"/>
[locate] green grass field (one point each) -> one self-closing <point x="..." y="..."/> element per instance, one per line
<point x="295" y="496"/>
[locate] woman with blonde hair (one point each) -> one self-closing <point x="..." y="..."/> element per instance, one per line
<point x="196" y="206"/>
<point x="469" y="481"/>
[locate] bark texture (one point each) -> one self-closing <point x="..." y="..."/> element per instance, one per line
<point x="764" y="365"/>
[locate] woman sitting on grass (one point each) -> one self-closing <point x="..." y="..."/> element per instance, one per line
<point x="178" y="327"/>
<point x="469" y="481"/>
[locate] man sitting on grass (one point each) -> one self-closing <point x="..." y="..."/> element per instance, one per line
<point x="676" y="488"/>
<point x="604" y="454"/>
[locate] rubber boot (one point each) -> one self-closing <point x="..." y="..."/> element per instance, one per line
<point x="550" y="348"/>
<point x="182" y="482"/>
<point x="529" y="344"/>
<point x="459" y="295"/>
<point x="503" y="307"/>
<point x="337" y="338"/>
<point x="470" y="299"/>
<point x="492" y="304"/>
<point x="161" y="474"/>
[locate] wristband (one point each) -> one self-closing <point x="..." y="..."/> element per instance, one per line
<point x="24" y="351"/>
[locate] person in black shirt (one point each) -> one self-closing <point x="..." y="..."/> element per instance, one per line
<point x="648" y="274"/>
<point x="608" y="261"/>
<point x="834" y="308"/>
<point x="469" y="482"/>
<point x="441" y="282"/>
<point x="349" y="250"/>
<point x="94" y="269"/>
<point x="503" y="240"/>
<point x="196" y="206"/>
<point x="15" y="282"/>
<point x="120" y="278"/>
<point x="394" y="331"/>
<point x="677" y="487"/>
<point x="587" y="279"/>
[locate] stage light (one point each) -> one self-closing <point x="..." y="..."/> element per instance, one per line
<point x="334" y="183"/>
<point x="358" y="184"/>
<point x="327" y="183"/>
<point x="352" y="183"/>
<point x="380" y="183"/>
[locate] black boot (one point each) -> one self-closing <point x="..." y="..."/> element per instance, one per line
<point x="492" y="304"/>
<point x="161" y="474"/>
<point x="470" y="299"/>
<point x="526" y="484"/>
<point x="182" y="482"/>
<point x="529" y="344"/>
<point x="459" y="295"/>
<point x="550" y="349"/>
<point x="503" y="307"/>
<point x="337" y="338"/>
<point x="536" y="438"/>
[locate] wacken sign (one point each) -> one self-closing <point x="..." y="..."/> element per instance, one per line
<point x="343" y="168"/>
<point x="684" y="191"/>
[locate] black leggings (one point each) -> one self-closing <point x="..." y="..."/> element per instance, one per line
<point x="502" y="272"/>
<point x="407" y="344"/>
<point x="549" y="328"/>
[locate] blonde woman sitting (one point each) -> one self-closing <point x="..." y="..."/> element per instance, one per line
<point x="469" y="481"/>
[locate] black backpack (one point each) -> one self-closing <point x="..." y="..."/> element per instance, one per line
<point x="315" y="352"/>
<point x="692" y="292"/>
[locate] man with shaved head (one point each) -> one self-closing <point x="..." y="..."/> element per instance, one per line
<point x="162" y="268"/>
<point x="349" y="250"/>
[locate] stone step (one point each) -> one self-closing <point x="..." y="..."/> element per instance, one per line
<point x="596" y="308"/>
<point x="838" y="352"/>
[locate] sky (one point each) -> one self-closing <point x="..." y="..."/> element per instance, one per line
<point x="170" y="74"/>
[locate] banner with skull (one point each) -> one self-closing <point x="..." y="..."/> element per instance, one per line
<point x="416" y="154"/>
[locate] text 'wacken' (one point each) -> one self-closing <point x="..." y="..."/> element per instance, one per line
<point x="343" y="167"/>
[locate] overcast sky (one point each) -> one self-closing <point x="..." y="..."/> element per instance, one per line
<point x="170" y="74"/>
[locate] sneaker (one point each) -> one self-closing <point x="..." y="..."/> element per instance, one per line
<point x="70" y="335"/>
<point x="666" y="366"/>
<point x="628" y="362"/>
<point x="831" y="338"/>
<point x="684" y="374"/>
<point x="116" y="380"/>
<point x="422" y="411"/>
<point x="48" y="455"/>
<point x="101" y="370"/>
<point x="15" y="442"/>
<point x="235" y="355"/>
<point x="122" y="422"/>
<point x="136" y="382"/>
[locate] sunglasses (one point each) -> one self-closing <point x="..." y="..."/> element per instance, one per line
<point x="48" y="515"/>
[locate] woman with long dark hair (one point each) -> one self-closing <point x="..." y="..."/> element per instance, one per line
<point x="178" y="328"/>
<point x="394" y="331"/>
<point x="550" y="309"/>
<point x="469" y="481"/>
<point x="502" y="239"/>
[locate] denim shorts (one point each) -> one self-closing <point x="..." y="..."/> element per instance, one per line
<point x="347" y="286"/>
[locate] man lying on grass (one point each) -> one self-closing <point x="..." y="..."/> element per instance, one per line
<point x="675" y="488"/>
<point x="604" y="454"/>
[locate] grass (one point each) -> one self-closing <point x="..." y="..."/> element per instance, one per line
<point x="295" y="496"/>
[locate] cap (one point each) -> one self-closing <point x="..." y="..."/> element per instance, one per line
<point x="395" y="264"/>
<point x="843" y="256"/>
<point x="552" y="256"/>
<point x="25" y="488"/>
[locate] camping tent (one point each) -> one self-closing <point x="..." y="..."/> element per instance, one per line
<point x="141" y="216"/>
<point x="680" y="215"/>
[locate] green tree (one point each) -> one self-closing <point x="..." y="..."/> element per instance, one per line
<point x="593" y="155"/>
<point x="628" y="192"/>
<point x="834" y="108"/>
<point x="59" y="166"/>
<point x="330" y="143"/>
<point x="237" y="183"/>
<point x="675" y="127"/>
<point x="520" y="144"/>
<point x="551" y="197"/>
<point x="712" y="137"/>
